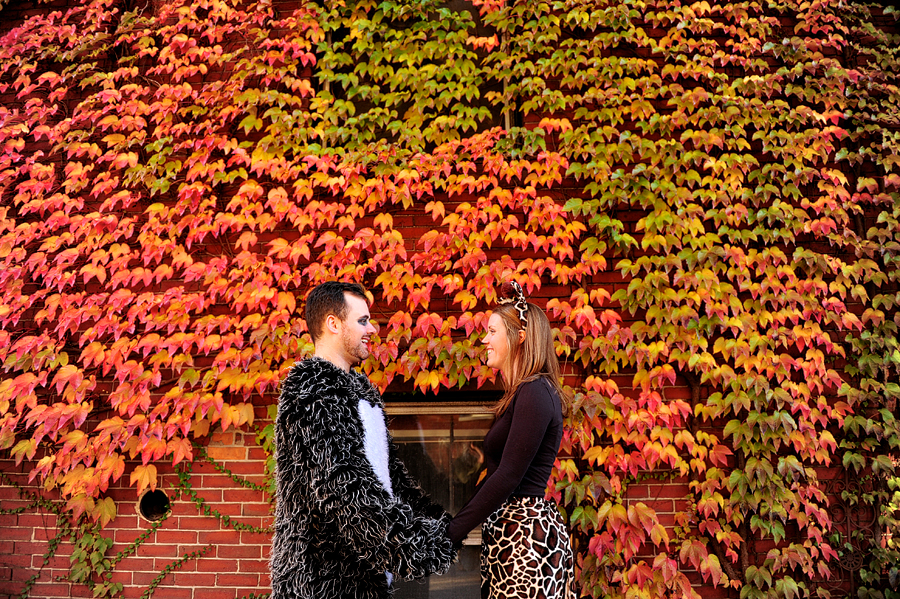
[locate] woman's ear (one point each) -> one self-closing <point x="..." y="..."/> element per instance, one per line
<point x="521" y="335"/>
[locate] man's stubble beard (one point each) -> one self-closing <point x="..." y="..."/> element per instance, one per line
<point x="357" y="352"/>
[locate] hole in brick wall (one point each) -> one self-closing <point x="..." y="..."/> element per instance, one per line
<point x="154" y="505"/>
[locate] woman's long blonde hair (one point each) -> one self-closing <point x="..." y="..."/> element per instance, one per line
<point x="530" y="358"/>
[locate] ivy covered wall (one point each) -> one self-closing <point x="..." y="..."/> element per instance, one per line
<point x="703" y="195"/>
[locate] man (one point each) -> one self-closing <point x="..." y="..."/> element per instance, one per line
<point x="347" y="515"/>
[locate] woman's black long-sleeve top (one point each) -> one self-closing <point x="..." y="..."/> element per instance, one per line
<point x="519" y="449"/>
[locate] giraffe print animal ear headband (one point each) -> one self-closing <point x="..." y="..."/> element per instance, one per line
<point x="511" y="293"/>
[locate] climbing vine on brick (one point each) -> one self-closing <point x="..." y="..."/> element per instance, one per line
<point x="703" y="194"/>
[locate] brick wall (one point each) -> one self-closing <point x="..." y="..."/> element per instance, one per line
<point x="234" y="563"/>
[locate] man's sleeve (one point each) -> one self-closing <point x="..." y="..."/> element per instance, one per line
<point x="387" y="532"/>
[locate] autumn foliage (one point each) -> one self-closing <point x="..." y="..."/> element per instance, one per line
<point x="705" y="196"/>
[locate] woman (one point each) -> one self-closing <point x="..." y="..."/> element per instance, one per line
<point x="525" y="545"/>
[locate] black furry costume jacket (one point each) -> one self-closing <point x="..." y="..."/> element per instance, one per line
<point x="337" y="529"/>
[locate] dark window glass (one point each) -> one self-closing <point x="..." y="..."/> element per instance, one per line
<point x="441" y="447"/>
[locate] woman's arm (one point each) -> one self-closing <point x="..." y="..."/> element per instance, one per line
<point x="533" y="411"/>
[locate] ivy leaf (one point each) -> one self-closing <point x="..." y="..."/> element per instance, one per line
<point x="105" y="511"/>
<point x="144" y="476"/>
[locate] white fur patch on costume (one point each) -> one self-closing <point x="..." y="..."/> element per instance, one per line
<point x="376" y="442"/>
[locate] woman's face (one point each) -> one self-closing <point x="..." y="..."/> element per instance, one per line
<point x="496" y="343"/>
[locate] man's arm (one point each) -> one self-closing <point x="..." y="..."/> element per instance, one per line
<point x="387" y="532"/>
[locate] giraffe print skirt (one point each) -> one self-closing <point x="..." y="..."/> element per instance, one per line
<point x="526" y="553"/>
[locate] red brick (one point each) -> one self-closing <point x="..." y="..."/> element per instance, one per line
<point x="257" y="509"/>
<point x="241" y="495"/>
<point x="258" y="454"/>
<point x="183" y="508"/>
<point x="156" y="550"/>
<point x="21" y="566"/>
<point x="258" y="566"/>
<point x="176" y="537"/>
<point x="220" y="438"/>
<point x="79" y="590"/>
<point x="254" y="521"/>
<point x="14" y="503"/>
<point x="135" y="563"/>
<point x="127" y="520"/>
<point x="18" y="534"/>
<point x="50" y="590"/>
<point x="126" y="537"/>
<point x="635" y="492"/>
<point x="227" y="453"/>
<point x="208" y="495"/>
<point x="241" y="551"/>
<point x="143" y="579"/>
<point x="235" y="580"/>
<point x="198" y="522"/>
<point x="202" y="468"/>
<point x="829" y="473"/>
<point x="667" y="491"/>
<point x="189" y="565"/>
<point x="218" y="537"/>
<point x="193" y="579"/>
<point x="661" y="506"/>
<point x="122" y="576"/>
<point x="256" y="538"/>
<point x="218" y="592"/>
<point x="17" y="562"/>
<point x="30" y="547"/>
<point x="222" y="484"/>
<point x="227" y="509"/>
<point x="8" y="589"/>
<point x="667" y="520"/>
<point x="59" y="562"/>
<point x="10" y="495"/>
<point x="671" y="393"/>
<point x="170" y="592"/>
<point x="37" y="521"/>
<point x="217" y="565"/>
<point x="160" y="563"/>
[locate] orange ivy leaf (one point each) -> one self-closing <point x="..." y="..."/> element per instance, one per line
<point x="145" y="477"/>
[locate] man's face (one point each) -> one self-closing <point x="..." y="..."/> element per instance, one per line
<point x="356" y="330"/>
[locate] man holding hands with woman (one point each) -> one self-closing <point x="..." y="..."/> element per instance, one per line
<point x="348" y="515"/>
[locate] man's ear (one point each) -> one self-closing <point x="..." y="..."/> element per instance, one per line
<point x="333" y="323"/>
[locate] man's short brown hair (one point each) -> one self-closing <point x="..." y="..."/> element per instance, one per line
<point x="328" y="298"/>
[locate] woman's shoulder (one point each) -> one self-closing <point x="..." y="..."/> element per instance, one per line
<point x="537" y="385"/>
<point x="538" y="390"/>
